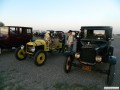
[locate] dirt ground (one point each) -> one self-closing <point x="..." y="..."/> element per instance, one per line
<point x="25" y="75"/>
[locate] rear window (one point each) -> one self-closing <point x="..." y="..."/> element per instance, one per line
<point x="94" y="34"/>
<point x="29" y="31"/>
<point x="99" y="32"/>
<point x="4" y="30"/>
<point x="26" y="31"/>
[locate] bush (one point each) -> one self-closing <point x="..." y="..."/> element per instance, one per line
<point x="2" y="24"/>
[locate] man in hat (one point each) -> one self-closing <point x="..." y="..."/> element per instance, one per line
<point x="70" y="41"/>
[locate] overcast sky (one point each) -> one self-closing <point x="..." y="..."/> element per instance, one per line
<point x="60" y="14"/>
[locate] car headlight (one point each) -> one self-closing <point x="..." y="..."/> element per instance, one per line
<point x="32" y="49"/>
<point x="22" y="46"/>
<point x="77" y="55"/>
<point x="98" y="58"/>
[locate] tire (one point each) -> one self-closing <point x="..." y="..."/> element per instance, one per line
<point x="20" y="54"/>
<point x="68" y="64"/>
<point x="111" y="74"/>
<point x="40" y="58"/>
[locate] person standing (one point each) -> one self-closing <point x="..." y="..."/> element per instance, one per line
<point x="70" y="41"/>
<point x="63" y="41"/>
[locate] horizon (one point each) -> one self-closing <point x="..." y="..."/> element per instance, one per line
<point x="60" y="14"/>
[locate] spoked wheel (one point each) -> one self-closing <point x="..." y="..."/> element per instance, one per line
<point x="68" y="64"/>
<point x="20" y="54"/>
<point x="111" y="74"/>
<point x="40" y="58"/>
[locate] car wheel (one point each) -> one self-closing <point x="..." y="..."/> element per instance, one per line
<point x="111" y="73"/>
<point x="40" y="58"/>
<point x="20" y="54"/>
<point x="68" y="64"/>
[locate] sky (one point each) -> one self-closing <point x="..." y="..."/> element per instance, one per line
<point x="60" y="14"/>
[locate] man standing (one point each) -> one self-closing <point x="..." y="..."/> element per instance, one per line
<point x="62" y="40"/>
<point x="70" y="41"/>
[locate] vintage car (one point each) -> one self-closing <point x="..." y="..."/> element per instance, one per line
<point x="58" y="34"/>
<point x="39" y="48"/>
<point x="14" y="36"/>
<point x="96" y="49"/>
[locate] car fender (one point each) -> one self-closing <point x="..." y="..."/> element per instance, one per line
<point x="112" y="59"/>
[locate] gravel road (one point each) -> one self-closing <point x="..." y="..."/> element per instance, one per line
<point x="25" y="75"/>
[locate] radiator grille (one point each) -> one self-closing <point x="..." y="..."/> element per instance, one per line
<point x="29" y="48"/>
<point x="88" y="55"/>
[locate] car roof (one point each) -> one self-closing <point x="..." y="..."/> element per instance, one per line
<point x="75" y="31"/>
<point x="50" y="30"/>
<point x="58" y="31"/>
<point x="17" y="26"/>
<point x="97" y="27"/>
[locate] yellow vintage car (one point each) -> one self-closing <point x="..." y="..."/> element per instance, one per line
<point x="38" y="49"/>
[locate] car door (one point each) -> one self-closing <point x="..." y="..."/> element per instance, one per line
<point x="26" y="34"/>
<point x="15" y="38"/>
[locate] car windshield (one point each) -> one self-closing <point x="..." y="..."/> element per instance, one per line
<point x="94" y="34"/>
<point x="4" y="30"/>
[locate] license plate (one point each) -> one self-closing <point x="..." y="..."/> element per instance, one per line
<point x="87" y="68"/>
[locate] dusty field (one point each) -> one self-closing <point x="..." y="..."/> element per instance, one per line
<point x="25" y="75"/>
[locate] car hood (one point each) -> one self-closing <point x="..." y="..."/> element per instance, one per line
<point x="37" y="42"/>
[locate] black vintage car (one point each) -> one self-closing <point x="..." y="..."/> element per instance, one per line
<point x="14" y="36"/>
<point x="58" y="33"/>
<point x="96" y="48"/>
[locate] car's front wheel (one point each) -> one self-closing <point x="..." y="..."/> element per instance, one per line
<point x="20" y="54"/>
<point x="68" y="64"/>
<point x="40" y="58"/>
<point x="111" y="73"/>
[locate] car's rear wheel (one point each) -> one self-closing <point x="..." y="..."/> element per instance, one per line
<point x="68" y="64"/>
<point x="111" y="73"/>
<point x="40" y="58"/>
<point x="20" y="54"/>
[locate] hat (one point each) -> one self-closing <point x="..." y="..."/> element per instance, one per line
<point x="69" y="31"/>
